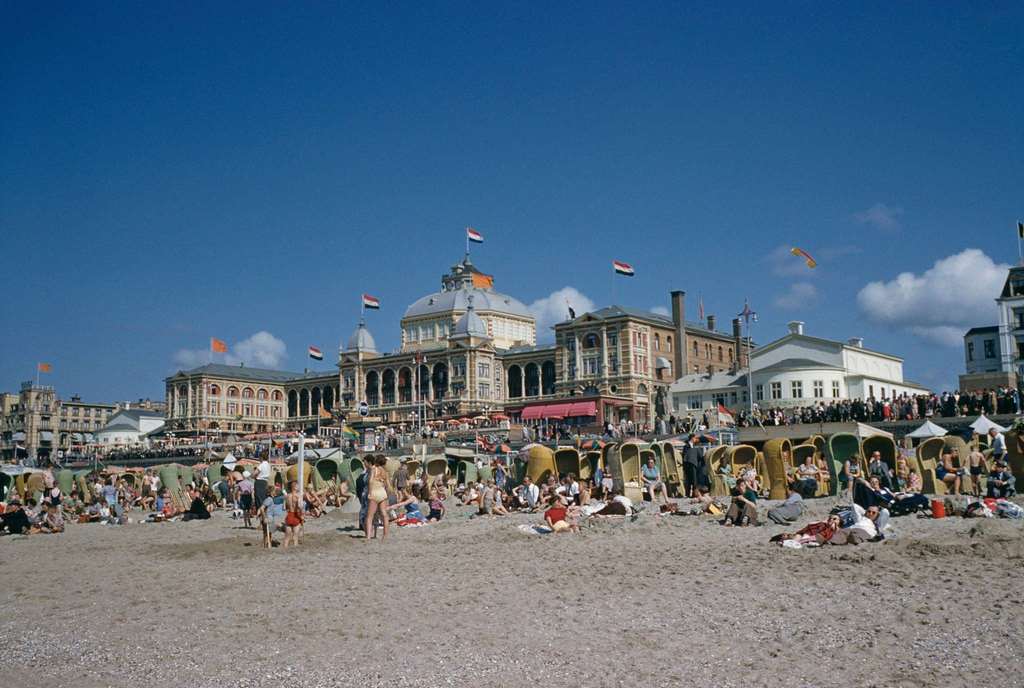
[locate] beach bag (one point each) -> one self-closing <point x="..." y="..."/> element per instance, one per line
<point x="847" y="516"/>
<point x="978" y="510"/>
<point x="1006" y="509"/>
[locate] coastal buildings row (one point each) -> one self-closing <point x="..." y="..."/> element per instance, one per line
<point x="35" y="422"/>
<point x="798" y="370"/>
<point x="469" y="349"/>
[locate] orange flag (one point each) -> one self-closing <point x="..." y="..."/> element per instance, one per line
<point x="218" y="346"/>
<point x="45" y="368"/>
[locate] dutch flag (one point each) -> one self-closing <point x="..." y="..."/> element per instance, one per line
<point x="623" y="268"/>
<point x="316" y="354"/>
<point x="474" y="236"/>
<point x="371" y="302"/>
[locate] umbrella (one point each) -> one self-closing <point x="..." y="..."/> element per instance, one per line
<point x="929" y="429"/>
<point x="983" y="425"/>
<point x="864" y="431"/>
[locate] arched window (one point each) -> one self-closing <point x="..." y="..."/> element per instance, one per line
<point x="721" y="355"/>
<point x="277" y="396"/>
<point x="730" y="354"/>
<point x="590" y="341"/>
<point x="657" y="341"/>
<point x="695" y="350"/>
<point x="232" y="391"/>
<point x="668" y="343"/>
<point x="214" y="390"/>
<point x="247" y="393"/>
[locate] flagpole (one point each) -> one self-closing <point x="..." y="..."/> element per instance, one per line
<point x="37" y="374"/>
<point x="1020" y="235"/>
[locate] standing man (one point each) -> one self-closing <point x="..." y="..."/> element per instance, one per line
<point x="401" y="477"/>
<point x="362" y="493"/>
<point x="998" y="443"/>
<point x="693" y="460"/>
<point x="260" y="489"/>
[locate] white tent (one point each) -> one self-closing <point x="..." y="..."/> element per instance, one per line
<point x="983" y="425"/>
<point x="864" y="431"/>
<point x="929" y="429"/>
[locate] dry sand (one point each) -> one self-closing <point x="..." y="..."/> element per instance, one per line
<point x="654" y="601"/>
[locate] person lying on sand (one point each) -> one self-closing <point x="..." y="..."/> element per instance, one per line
<point x="857" y="527"/>
<point x="815" y="533"/>
<point x="618" y="505"/>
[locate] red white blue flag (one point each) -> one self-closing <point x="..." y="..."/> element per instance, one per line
<point x="316" y="354"/>
<point x="474" y="236"/>
<point x="623" y="268"/>
<point x="371" y="302"/>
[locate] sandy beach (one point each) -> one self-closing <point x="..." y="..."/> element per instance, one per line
<point x="652" y="601"/>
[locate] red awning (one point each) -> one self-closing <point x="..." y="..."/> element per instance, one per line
<point x="582" y="408"/>
<point x="565" y="410"/>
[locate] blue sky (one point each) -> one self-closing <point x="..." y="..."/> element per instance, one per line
<point x="174" y="173"/>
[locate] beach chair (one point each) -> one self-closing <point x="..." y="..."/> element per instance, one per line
<point x="778" y="456"/>
<point x="929" y="453"/>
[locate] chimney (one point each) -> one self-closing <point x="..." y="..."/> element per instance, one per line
<point x="737" y="342"/>
<point x="679" y="321"/>
<point x="711" y="323"/>
<point x="795" y="327"/>
<point x="856" y="342"/>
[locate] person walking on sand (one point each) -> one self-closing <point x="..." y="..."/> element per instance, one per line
<point x="377" y="494"/>
<point x="293" y="515"/>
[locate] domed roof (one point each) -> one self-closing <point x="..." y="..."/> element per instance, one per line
<point x="361" y="340"/>
<point x="462" y="283"/>
<point x="487" y="300"/>
<point x="470" y="324"/>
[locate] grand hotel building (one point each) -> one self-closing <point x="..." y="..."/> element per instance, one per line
<point x="469" y="349"/>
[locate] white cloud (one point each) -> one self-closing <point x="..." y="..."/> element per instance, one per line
<point x="953" y="295"/>
<point x="661" y="310"/>
<point x="799" y="295"/>
<point x="261" y="350"/>
<point x="881" y="216"/>
<point x="554" y="308"/>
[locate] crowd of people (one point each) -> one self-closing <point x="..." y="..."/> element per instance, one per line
<point x="903" y="407"/>
<point x="875" y="492"/>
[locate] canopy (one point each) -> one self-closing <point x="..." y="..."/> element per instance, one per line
<point x="929" y="429"/>
<point x="983" y="425"/>
<point x="563" y="410"/>
<point x="864" y="431"/>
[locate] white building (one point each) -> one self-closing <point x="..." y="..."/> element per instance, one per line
<point x="981" y="350"/>
<point x="128" y="427"/>
<point x="1011" y="322"/>
<point x="994" y="355"/>
<point x="799" y="370"/>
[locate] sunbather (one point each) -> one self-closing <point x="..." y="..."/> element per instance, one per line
<point x="792" y="508"/>
<point x="558" y="518"/>
<point x="743" y="510"/>
<point x="948" y="473"/>
<point x="860" y="529"/>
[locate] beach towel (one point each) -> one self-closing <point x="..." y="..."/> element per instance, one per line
<point x="534" y="530"/>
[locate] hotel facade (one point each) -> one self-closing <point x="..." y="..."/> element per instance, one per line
<point x="469" y="349"/>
